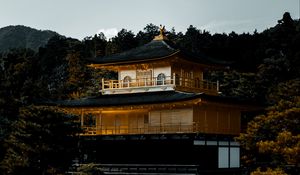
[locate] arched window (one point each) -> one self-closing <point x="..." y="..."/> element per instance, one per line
<point x="126" y="81"/>
<point x="161" y="79"/>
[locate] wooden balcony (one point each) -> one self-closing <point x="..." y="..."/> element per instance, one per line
<point x="154" y="84"/>
<point x="157" y="129"/>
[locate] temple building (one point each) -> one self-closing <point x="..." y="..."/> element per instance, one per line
<point x="160" y="110"/>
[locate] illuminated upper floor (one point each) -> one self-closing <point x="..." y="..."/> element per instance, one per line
<point x="157" y="66"/>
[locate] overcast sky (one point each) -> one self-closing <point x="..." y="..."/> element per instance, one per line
<point x="81" y="18"/>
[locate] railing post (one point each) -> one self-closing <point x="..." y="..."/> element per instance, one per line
<point x="102" y="83"/>
<point x="174" y="78"/>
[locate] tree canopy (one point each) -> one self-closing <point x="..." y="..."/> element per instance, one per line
<point x="42" y="139"/>
<point x="272" y="140"/>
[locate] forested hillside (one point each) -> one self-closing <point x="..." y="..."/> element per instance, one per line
<point x="265" y="67"/>
<point x="23" y="37"/>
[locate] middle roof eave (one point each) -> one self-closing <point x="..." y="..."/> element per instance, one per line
<point x="130" y="99"/>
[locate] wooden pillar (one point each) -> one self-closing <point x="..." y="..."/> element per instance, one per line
<point x="102" y="83"/>
<point x="174" y="78"/>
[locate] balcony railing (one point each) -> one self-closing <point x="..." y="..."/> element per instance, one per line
<point x="145" y="82"/>
<point x="156" y="129"/>
<point x="159" y="84"/>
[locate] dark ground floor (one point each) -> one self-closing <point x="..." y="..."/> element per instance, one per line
<point x="205" y="153"/>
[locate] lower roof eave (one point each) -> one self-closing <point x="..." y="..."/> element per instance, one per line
<point x="155" y="99"/>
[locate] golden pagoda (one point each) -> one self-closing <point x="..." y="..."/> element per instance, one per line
<point x="160" y="107"/>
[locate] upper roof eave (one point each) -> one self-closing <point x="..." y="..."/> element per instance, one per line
<point x="155" y="50"/>
<point x="134" y="61"/>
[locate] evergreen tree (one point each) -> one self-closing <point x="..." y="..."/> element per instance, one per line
<point x="94" y="46"/>
<point x="147" y="35"/>
<point x="43" y="139"/>
<point x="124" y="40"/>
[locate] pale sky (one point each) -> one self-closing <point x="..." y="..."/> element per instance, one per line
<point x="81" y="18"/>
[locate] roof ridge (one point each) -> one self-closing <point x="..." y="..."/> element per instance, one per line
<point x="168" y="46"/>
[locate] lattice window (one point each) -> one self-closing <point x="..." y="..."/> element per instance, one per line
<point x="141" y="74"/>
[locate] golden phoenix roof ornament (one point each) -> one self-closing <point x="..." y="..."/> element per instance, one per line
<point x="162" y="35"/>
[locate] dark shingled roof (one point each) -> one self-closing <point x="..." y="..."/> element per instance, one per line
<point x="144" y="98"/>
<point x="156" y="49"/>
<point x="128" y="99"/>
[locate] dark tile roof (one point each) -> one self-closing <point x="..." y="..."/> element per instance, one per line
<point x="156" y="49"/>
<point x="152" y="50"/>
<point x="128" y="99"/>
<point x="145" y="98"/>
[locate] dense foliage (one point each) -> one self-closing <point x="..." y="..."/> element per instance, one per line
<point x="43" y="139"/>
<point x="265" y="67"/>
<point x="272" y="140"/>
